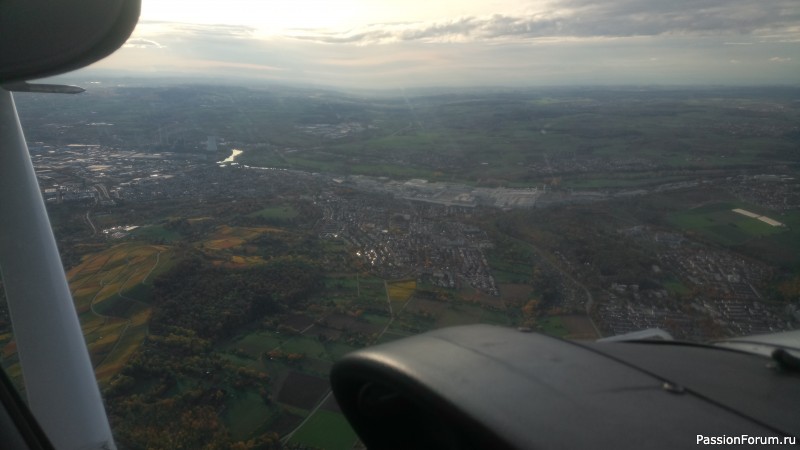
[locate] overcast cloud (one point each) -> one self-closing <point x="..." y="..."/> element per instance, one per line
<point x="590" y="18"/>
<point x="558" y="42"/>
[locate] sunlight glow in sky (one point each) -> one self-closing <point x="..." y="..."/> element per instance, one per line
<point x="412" y="43"/>
<point x="284" y="15"/>
<point x="266" y="15"/>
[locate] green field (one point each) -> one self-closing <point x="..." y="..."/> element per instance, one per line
<point x="310" y="347"/>
<point x="552" y="326"/>
<point x="336" y="350"/>
<point x="254" y="344"/>
<point x="376" y="319"/>
<point x="283" y="212"/>
<point x="346" y="283"/>
<point x="325" y="430"/>
<point x="719" y="223"/>
<point x="245" y="414"/>
<point x="464" y="315"/>
<point x="156" y="232"/>
<point x="482" y="138"/>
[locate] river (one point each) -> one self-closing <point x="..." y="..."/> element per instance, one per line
<point x="232" y="158"/>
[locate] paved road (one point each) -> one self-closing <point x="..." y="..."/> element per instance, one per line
<point x="89" y="221"/>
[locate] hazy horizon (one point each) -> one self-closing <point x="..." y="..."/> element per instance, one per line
<point x="410" y="44"/>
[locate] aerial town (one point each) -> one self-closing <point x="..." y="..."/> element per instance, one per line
<point x="424" y="230"/>
<point x="222" y="261"/>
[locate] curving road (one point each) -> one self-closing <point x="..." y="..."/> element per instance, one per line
<point x="89" y="221"/>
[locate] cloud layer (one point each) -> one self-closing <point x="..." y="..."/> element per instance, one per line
<point x="586" y="19"/>
<point x="560" y="42"/>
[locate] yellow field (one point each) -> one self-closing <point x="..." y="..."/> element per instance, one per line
<point x="243" y="261"/>
<point x="102" y="339"/>
<point x="88" y="264"/>
<point x="136" y="278"/>
<point x="118" y="257"/>
<point x="402" y="290"/>
<point x="103" y="275"/>
<point x="125" y="345"/>
<point x="84" y="291"/>
<point x="242" y="233"/>
<point x="229" y="240"/>
<point x="99" y="284"/>
<point x="223" y="244"/>
<point x="90" y="321"/>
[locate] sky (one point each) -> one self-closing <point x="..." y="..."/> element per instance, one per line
<point x="428" y="43"/>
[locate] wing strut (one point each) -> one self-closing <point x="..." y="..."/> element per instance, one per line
<point x="59" y="379"/>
